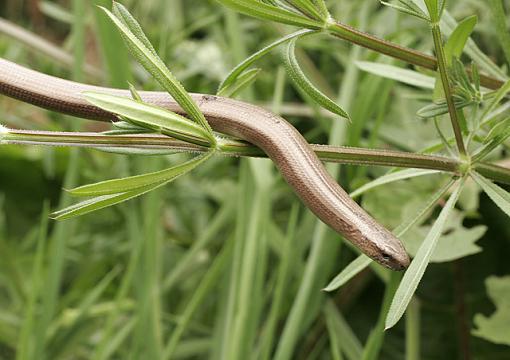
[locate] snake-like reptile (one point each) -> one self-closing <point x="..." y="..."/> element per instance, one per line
<point x="286" y="147"/>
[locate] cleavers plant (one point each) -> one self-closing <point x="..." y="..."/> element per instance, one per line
<point x="469" y="96"/>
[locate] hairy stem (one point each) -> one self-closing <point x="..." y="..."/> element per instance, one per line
<point x="411" y="56"/>
<point x="443" y="71"/>
<point x="232" y="147"/>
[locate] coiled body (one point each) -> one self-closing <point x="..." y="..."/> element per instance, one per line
<point x="297" y="163"/>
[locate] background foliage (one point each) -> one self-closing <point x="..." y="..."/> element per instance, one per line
<point x="225" y="262"/>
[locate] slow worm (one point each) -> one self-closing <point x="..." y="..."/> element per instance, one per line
<point x="293" y="156"/>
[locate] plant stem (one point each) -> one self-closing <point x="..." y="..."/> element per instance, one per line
<point x="382" y="46"/>
<point x="442" y="67"/>
<point x="413" y="330"/>
<point x="411" y="56"/>
<point x="231" y="147"/>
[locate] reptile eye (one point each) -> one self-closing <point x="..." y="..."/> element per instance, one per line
<point x="386" y="257"/>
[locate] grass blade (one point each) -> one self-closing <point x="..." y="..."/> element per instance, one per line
<point x="349" y="343"/>
<point x="210" y="279"/>
<point x="419" y="264"/>
<point x="25" y="349"/>
<point x="373" y="346"/>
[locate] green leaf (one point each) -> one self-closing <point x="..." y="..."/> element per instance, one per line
<point x="321" y="6"/>
<point x="441" y="108"/>
<point x="104" y="201"/>
<point x="409" y="8"/>
<point x="498" y="129"/>
<point x="127" y="19"/>
<point x="458" y="39"/>
<point x="350" y="271"/>
<point x="424" y="210"/>
<point x="448" y="24"/>
<point x="307" y="8"/>
<point x="349" y="343"/>
<point x="498" y="97"/>
<point x="492" y="143"/>
<point x="499" y="20"/>
<point x="98" y="203"/>
<point x="28" y="330"/>
<point x="270" y="12"/>
<point x="141" y="48"/>
<point x="245" y="64"/>
<point x="415" y="272"/>
<point x="435" y="9"/>
<point x="151" y="117"/>
<point x="132" y="183"/>
<point x="242" y="82"/>
<point x="363" y="261"/>
<point x="459" y="241"/>
<point x="302" y="82"/>
<point x="495" y="327"/>
<point x="392" y="177"/>
<point x="497" y="194"/>
<point x="392" y="72"/>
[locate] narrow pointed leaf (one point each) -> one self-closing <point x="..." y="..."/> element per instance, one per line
<point x="407" y="9"/>
<point x="405" y="76"/>
<point x="441" y="108"/>
<point x="152" y="117"/>
<point x="245" y="64"/>
<point x="392" y="177"/>
<point x="301" y="81"/>
<point x="98" y="203"/>
<point x="498" y="97"/>
<point x="497" y="130"/>
<point x="145" y="54"/>
<point x="104" y="201"/>
<point x="322" y="7"/>
<point x="497" y="194"/>
<point x="270" y="12"/>
<point x="493" y="143"/>
<point x="131" y="183"/>
<point x="363" y="261"/>
<point x="130" y="22"/>
<point x="242" y="82"/>
<point x="415" y="272"/>
<point x="354" y="268"/>
<point x="307" y="8"/>
<point x="459" y="37"/>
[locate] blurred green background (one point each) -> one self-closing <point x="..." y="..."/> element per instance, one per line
<point x="225" y="263"/>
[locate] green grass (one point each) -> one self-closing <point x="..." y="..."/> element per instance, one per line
<point x="225" y="262"/>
